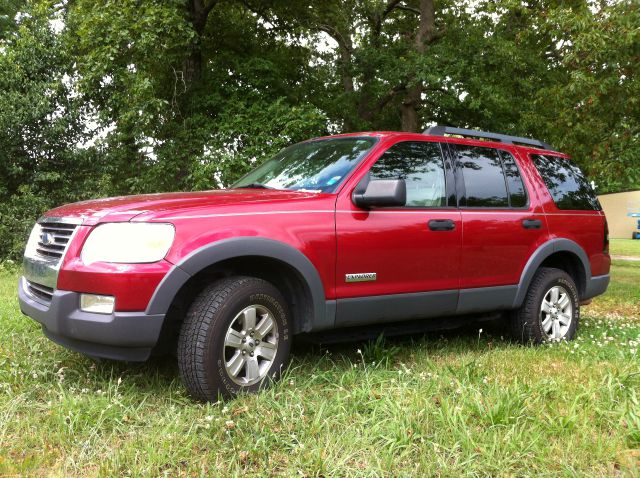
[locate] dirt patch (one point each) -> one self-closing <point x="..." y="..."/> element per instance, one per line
<point x="626" y="258"/>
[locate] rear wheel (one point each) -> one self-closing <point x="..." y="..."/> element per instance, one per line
<point x="235" y="338"/>
<point x="550" y="311"/>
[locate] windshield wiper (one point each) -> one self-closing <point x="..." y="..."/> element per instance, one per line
<point x="254" y="186"/>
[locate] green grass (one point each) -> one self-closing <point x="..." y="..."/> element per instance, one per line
<point x="625" y="247"/>
<point x="465" y="403"/>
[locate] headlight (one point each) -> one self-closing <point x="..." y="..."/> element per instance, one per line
<point x="128" y="242"/>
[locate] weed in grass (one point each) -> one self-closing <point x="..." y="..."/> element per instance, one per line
<point x="378" y="352"/>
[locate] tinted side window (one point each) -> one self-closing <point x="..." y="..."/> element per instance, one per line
<point x="420" y="164"/>
<point x="483" y="177"/>
<point x="515" y="186"/>
<point x="564" y="180"/>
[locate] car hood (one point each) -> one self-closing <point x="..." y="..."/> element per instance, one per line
<point x="125" y="208"/>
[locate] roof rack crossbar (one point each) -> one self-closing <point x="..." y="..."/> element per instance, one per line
<point x="440" y="130"/>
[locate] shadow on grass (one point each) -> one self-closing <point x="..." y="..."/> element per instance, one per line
<point x="159" y="375"/>
<point x="469" y="334"/>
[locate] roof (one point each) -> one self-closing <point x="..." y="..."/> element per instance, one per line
<point x="464" y="136"/>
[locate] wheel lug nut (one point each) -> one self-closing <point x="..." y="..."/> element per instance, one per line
<point x="244" y="340"/>
<point x="251" y="354"/>
<point x="244" y="352"/>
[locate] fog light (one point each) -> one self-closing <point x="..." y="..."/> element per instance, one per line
<point x="99" y="304"/>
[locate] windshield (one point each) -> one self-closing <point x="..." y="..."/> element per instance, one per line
<point x="319" y="165"/>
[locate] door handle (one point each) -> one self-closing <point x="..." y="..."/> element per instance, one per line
<point x="531" y="223"/>
<point x="441" y="225"/>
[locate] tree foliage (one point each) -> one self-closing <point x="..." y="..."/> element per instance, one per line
<point x="41" y="130"/>
<point x="101" y="98"/>
<point x="596" y="110"/>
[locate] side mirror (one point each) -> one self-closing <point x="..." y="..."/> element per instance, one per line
<point x="380" y="193"/>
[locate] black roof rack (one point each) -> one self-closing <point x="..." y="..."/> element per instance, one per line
<point x="504" y="138"/>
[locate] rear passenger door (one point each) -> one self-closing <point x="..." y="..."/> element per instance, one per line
<point x="502" y="225"/>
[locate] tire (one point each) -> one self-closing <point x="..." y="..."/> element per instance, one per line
<point x="217" y="332"/>
<point x="533" y="324"/>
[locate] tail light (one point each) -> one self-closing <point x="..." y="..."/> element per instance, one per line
<point x="606" y="236"/>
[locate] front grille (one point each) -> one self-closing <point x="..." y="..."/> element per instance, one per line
<point x="39" y="291"/>
<point x="54" y="238"/>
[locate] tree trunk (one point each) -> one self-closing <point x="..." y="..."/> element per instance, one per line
<point x="409" y="109"/>
<point x="198" y="12"/>
<point x="192" y="66"/>
<point x="346" y="48"/>
<point x="342" y="37"/>
<point x="412" y="100"/>
<point x="345" y="64"/>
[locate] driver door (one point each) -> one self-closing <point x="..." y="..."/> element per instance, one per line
<point x="402" y="262"/>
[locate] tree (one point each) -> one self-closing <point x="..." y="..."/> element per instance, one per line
<point x="595" y="114"/>
<point x="379" y="48"/>
<point x="102" y="98"/>
<point x="41" y="129"/>
<point x="8" y="11"/>
<point x="166" y="77"/>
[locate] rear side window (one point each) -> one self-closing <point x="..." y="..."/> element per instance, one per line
<point x="566" y="183"/>
<point x="421" y="165"/>
<point x="484" y="180"/>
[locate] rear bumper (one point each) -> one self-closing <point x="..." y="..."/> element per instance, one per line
<point x="595" y="286"/>
<point x="118" y="336"/>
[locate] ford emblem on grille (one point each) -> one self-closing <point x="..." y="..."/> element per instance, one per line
<point x="47" y="238"/>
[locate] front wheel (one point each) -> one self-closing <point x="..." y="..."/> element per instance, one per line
<point x="550" y="311"/>
<point x="235" y="338"/>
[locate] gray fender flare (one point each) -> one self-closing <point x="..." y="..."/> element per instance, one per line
<point x="538" y="257"/>
<point x="238" y="247"/>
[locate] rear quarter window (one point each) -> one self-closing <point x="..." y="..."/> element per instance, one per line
<point x="567" y="185"/>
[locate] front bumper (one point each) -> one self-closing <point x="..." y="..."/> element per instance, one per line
<point x="119" y="336"/>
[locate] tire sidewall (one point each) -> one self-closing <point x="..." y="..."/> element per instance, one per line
<point x="563" y="280"/>
<point x="255" y="292"/>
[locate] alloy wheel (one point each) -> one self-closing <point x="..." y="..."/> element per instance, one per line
<point x="250" y="345"/>
<point x="556" y="312"/>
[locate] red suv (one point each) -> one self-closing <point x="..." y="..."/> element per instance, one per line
<point x="334" y="232"/>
